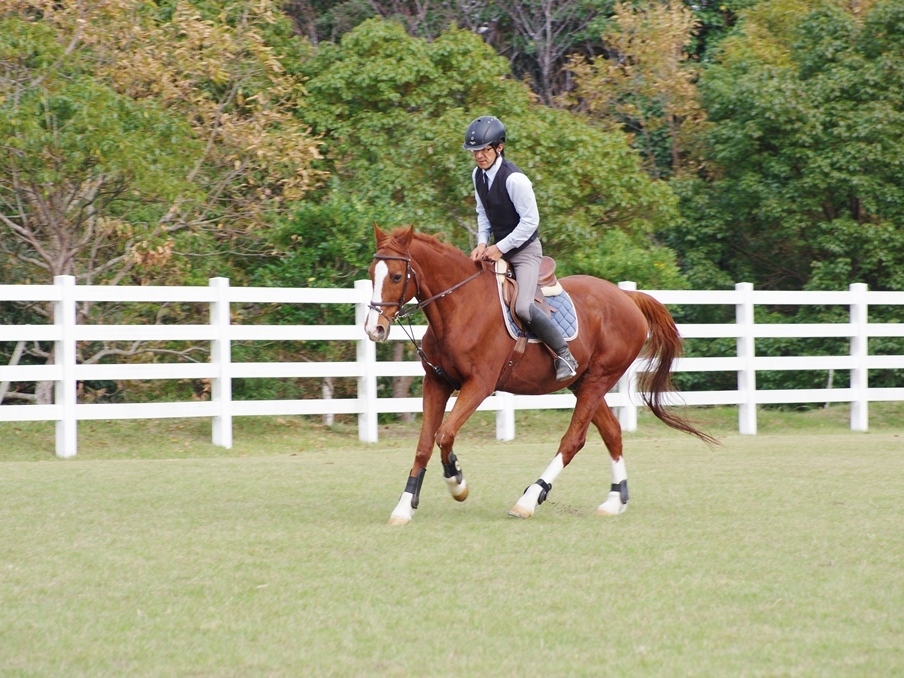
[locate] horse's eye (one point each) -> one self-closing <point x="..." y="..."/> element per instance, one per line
<point x="397" y="278"/>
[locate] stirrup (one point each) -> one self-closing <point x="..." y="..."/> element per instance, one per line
<point x="565" y="369"/>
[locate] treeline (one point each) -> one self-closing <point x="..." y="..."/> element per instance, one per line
<point x="672" y="144"/>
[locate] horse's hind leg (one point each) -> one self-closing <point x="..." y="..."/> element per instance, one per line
<point x="536" y="493"/>
<point x="571" y="443"/>
<point x="610" y="430"/>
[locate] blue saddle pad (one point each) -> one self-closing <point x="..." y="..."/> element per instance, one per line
<point x="563" y="315"/>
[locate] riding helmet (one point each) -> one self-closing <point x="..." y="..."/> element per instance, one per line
<point x="484" y="131"/>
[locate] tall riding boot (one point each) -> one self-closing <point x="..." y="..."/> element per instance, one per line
<point x="549" y="333"/>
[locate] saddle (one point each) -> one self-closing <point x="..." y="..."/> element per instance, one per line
<point x="547" y="286"/>
<point x="552" y="299"/>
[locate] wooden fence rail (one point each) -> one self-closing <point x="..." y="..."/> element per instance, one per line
<point x="220" y="332"/>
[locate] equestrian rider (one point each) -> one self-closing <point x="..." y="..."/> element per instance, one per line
<point x="507" y="209"/>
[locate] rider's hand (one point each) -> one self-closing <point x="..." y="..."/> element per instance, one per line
<point x="492" y="253"/>
<point x="477" y="254"/>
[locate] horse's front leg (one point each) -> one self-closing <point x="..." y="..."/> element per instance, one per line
<point x="436" y="395"/>
<point x="469" y="398"/>
<point x="472" y="394"/>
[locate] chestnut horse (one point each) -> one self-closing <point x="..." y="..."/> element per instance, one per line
<point x="467" y="348"/>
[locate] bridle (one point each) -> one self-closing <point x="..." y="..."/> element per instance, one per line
<point x="409" y="274"/>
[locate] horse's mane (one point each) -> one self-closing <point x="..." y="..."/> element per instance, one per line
<point x="431" y="241"/>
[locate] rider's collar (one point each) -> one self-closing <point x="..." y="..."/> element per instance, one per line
<point x="491" y="173"/>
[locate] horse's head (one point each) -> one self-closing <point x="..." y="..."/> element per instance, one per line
<point x="393" y="280"/>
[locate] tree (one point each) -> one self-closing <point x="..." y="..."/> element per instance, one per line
<point x="536" y="36"/>
<point x="393" y="109"/>
<point x="646" y="84"/>
<point x="545" y="32"/>
<point x="77" y="158"/>
<point x="151" y="122"/>
<point x="804" y="188"/>
<point x="716" y="20"/>
<point x="145" y="141"/>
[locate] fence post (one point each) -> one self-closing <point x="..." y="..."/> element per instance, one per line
<point x="627" y="385"/>
<point x="65" y="390"/>
<point x="505" y="416"/>
<point x="367" y="362"/>
<point x="859" y="353"/>
<point x="744" y="318"/>
<point x="221" y="356"/>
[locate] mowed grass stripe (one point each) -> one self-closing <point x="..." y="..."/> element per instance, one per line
<point x="774" y="555"/>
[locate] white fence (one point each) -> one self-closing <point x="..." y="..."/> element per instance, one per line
<point x="220" y="332"/>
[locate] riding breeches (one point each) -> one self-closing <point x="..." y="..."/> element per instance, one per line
<point x="526" y="264"/>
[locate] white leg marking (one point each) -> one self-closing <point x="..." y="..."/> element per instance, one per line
<point x="525" y="507"/>
<point x="381" y="270"/>
<point x="402" y="513"/>
<point x="553" y="470"/>
<point x="619" y="472"/>
<point x="455" y="489"/>
<point x="613" y="505"/>
<point x="527" y="504"/>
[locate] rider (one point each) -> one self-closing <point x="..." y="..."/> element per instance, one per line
<point x="507" y="208"/>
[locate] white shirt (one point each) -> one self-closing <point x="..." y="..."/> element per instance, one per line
<point x="521" y="192"/>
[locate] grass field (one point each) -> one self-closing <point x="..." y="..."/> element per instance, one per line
<point x="154" y="553"/>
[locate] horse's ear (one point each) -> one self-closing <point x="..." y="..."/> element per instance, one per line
<point x="379" y="235"/>
<point x="406" y="236"/>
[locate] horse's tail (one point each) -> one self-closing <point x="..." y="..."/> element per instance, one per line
<point x="663" y="347"/>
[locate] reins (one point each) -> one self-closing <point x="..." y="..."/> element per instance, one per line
<point x="411" y="310"/>
<point x="409" y="273"/>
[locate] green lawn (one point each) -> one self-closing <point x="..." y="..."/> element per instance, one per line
<point x="155" y="553"/>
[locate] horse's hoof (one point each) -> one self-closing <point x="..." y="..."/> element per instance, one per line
<point x="399" y="520"/>
<point x="520" y="512"/>
<point x="610" y="511"/>
<point x="458" y="490"/>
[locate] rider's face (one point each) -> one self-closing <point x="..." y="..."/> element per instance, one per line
<point x="485" y="157"/>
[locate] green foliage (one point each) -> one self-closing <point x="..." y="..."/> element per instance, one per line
<point x="69" y="125"/>
<point x="392" y="109"/>
<point x="799" y="184"/>
<point x="317" y="244"/>
<point x="83" y="168"/>
<point x="619" y="257"/>
<point x="76" y="128"/>
<point x="320" y="245"/>
<point x="716" y="21"/>
<point x="805" y="187"/>
<point x="148" y="140"/>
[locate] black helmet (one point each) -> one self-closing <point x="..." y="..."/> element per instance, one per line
<point x="483" y="132"/>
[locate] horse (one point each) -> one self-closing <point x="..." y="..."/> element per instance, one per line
<point x="467" y="348"/>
